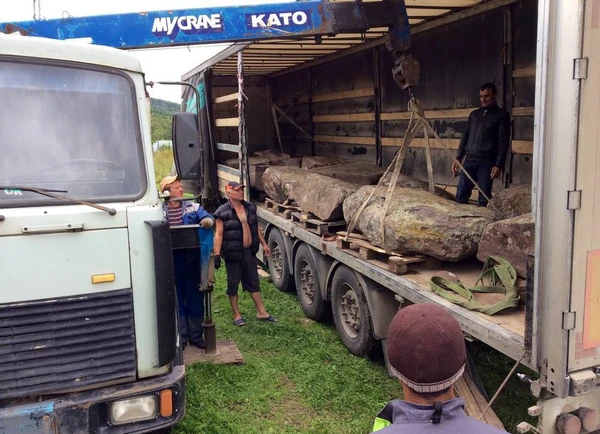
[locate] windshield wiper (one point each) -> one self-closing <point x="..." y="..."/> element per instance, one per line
<point x="51" y="193"/>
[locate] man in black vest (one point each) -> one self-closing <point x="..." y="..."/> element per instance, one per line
<point x="237" y="239"/>
<point x="483" y="147"/>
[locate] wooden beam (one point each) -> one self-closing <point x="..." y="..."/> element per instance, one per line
<point x="430" y="114"/>
<point x="347" y="94"/>
<point x="420" y="143"/>
<point x="526" y="72"/>
<point x="522" y="146"/>
<point x="355" y="117"/>
<point x="523" y="111"/>
<point x="227" y="122"/>
<point x="228" y="147"/>
<point x="349" y="140"/>
<point x="225" y="98"/>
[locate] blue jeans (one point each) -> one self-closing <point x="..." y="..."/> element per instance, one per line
<point x="480" y="171"/>
<point x="190" y="300"/>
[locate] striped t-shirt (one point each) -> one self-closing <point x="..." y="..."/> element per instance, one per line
<point x="175" y="216"/>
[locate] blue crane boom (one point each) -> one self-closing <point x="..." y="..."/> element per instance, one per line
<point x="224" y="24"/>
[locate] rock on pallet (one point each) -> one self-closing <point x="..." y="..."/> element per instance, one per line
<point x="513" y="239"/>
<point x="318" y="194"/>
<point x="419" y="222"/>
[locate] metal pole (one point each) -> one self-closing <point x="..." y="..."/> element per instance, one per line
<point x="242" y="128"/>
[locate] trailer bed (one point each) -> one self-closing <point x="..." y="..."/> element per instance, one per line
<point x="504" y="331"/>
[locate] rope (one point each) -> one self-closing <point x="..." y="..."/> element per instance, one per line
<point x="502" y="277"/>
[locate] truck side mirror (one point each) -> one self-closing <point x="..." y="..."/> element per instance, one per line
<point x="187" y="147"/>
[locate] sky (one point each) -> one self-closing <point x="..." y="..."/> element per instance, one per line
<point x="159" y="64"/>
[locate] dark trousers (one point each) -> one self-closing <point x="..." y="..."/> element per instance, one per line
<point x="245" y="271"/>
<point x="480" y="171"/>
<point x="190" y="300"/>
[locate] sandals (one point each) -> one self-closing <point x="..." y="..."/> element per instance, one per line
<point x="267" y="319"/>
<point x="239" y="322"/>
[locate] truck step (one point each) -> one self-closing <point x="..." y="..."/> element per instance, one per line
<point x="393" y="262"/>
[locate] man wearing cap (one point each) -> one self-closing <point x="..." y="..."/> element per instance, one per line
<point x="190" y="300"/>
<point x="426" y="350"/>
<point x="237" y="239"/>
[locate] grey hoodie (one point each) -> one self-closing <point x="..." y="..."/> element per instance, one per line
<point x="399" y="417"/>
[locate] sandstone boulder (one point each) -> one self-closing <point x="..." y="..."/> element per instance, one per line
<point x="361" y="173"/>
<point x="410" y="182"/>
<point x="279" y="182"/>
<point x="511" y="202"/>
<point x="513" y="239"/>
<point x="419" y="222"/>
<point x="317" y="161"/>
<point x="323" y="196"/>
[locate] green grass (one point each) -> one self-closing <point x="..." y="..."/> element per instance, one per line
<point x="163" y="162"/>
<point x="297" y="377"/>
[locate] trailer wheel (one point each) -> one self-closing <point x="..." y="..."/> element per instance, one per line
<point x="351" y="313"/>
<point x="278" y="262"/>
<point x="308" y="286"/>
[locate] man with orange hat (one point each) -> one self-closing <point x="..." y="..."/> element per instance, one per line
<point x="237" y="240"/>
<point x="190" y="300"/>
<point x="426" y="350"/>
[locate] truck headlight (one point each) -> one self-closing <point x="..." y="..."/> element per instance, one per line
<point x="133" y="410"/>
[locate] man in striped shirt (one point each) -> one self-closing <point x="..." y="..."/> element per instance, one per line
<point x="190" y="300"/>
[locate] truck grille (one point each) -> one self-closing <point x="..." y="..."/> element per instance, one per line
<point x="64" y="344"/>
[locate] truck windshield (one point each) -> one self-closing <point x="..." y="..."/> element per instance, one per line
<point x="68" y="128"/>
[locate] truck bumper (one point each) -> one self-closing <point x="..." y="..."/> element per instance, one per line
<point x="89" y="411"/>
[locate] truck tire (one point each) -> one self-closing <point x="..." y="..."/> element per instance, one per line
<point x="308" y="286"/>
<point x="351" y="313"/>
<point x="278" y="262"/>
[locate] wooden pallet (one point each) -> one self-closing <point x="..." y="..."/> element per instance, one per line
<point x="394" y="262"/>
<point x="319" y="227"/>
<point x="281" y="209"/>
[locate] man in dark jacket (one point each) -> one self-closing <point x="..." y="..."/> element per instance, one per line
<point x="237" y="239"/>
<point x="426" y="350"/>
<point x="483" y="147"/>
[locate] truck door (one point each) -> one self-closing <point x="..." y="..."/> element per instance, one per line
<point x="584" y="341"/>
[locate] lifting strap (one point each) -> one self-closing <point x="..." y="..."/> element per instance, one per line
<point x="417" y="117"/>
<point x="502" y="278"/>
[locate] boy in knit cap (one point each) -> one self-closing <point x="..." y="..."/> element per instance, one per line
<point x="426" y="351"/>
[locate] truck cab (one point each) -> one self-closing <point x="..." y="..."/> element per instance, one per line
<point x="88" y="336"/>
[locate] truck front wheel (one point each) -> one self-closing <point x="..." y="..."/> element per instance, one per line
<point x="278" y="262"/>
<point x="351" y="313"/>
<point x="308" y="287"/>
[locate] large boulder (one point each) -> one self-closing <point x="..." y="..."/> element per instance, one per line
<point x="419" y="222"/>
<point x="358" y="173"/>
<point x="323" y="196"/>
<point x="279" y="182"/>
<point x="513" y="239"/>
<point x="511" y="202"/>
<point x="318" y="161"/>
<point x="410" y="182"/>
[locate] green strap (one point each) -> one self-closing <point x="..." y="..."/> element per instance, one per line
<point x="503" y="280"/>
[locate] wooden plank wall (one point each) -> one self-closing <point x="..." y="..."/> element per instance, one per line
<point x="455" y="60"/>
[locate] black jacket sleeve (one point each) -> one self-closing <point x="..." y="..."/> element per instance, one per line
<point x="503" y="139"/>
